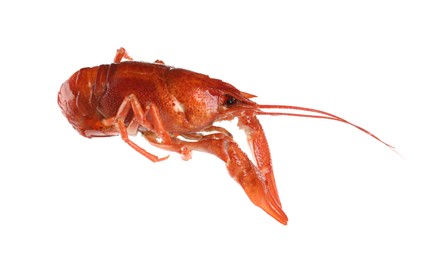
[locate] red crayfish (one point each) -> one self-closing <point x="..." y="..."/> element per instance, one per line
<point x="175" y="109"/>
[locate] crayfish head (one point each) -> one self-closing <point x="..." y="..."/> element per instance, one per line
<point x="233" y="103"/>
<point x="203" y="100"/>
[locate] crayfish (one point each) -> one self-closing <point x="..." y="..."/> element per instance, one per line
<point x="175" y="109"/>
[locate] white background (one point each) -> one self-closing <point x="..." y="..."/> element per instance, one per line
<point x="348" y="196"/>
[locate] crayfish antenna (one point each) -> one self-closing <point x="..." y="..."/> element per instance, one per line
<point x="322" y="115"/>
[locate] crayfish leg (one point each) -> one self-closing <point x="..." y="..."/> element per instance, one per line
<point x="120" y="54"/>
<point x="131" y="102"/>
<point x="125" y="137"/>
<point x="159" y="62"/>
<point x="175" y="146"/>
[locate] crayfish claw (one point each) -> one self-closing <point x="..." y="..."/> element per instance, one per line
<point x="255" y="183"/>
<point x="273" y="208"/>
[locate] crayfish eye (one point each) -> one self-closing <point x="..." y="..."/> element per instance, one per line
<point x="228" y="101"/>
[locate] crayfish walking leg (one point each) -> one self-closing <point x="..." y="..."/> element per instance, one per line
<point x="131" y="103"/>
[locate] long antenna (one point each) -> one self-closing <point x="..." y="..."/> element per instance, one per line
<point x="322" y="114"/>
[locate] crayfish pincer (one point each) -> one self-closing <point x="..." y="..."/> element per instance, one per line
<point x="175" y="109"/>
